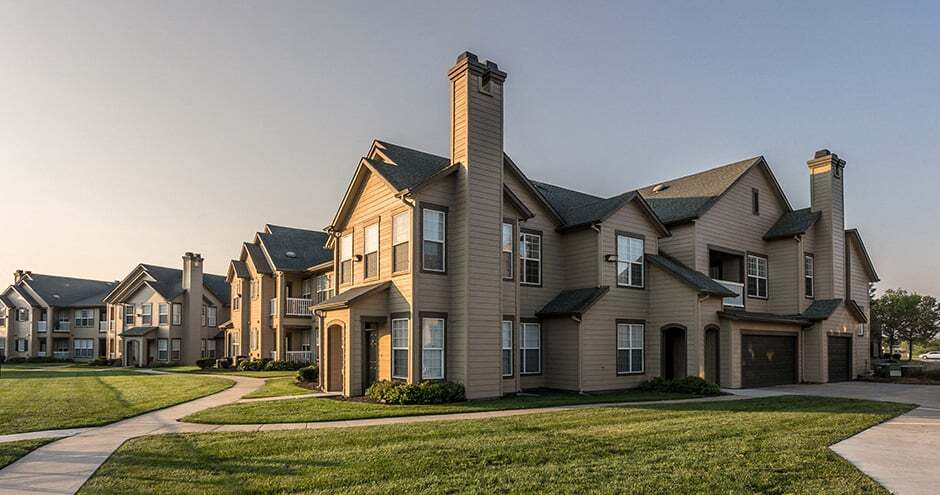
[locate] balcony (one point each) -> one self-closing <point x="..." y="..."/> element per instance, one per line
<point x="42" y="326"/>
<point x="298" y="307"/>
<point x="63" y="326"/>
<point x="61" y="354"/>
<point x="300" y="356"/>
<point x="736" y="287"/>
<point x="102" y="326"/>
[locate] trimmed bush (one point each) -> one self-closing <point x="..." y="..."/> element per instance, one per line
<point x="205" y="364"/>
<point x="253" y="365"/>
<point x="692" y="385"/>
<point x="101" y="361"/>
<point x="283" y="366"/>
<point x="427" y="392"/>
<point x="308" y="374"/>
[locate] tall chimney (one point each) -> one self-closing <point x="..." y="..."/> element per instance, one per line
<point x="827" y="197"/>
<point x="475" y="223"/>
<point x="17" y="276"/>
<point x="192" y="307"/>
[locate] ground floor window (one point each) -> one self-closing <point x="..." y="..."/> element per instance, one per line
<point x="507" y="347"/>
<point x="254" y="339"/>
<point x="531" y="348"/>
<point x="208" y="348"/>
<point x="176" y="346"/>
<point x="22" y="345"/>
<point x="432" y="356"/>
<point x="630" y="348"/>
<point x="163" y="349"/>
<point x="83" y="348"/>
<point x="400" y="348"/>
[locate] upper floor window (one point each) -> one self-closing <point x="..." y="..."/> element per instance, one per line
<point x="629" y="261"/>
<point x="507" y="347"/>
<point x="808" y="274"/>
<point x="756" y="276"/>
<point x="507" y="253"/>
<point x="755" y="201"/>
<point x="401" y="227"/>
<point x="630" y="348"/>
<point x="372" y="251"/>
<point x="146" y="314"/>
<point x="530" y="252"/>
<point x="433" y="246"/>
<point x="129" y="314"/>
<point x="177" y="313"/>
<point x="22" y="314"/>
<point x="202" y="320"/>
<point x="163" y="314"/>
<point x="306" y="288"/>
<point x="345" y="259"/>
<point x="84" y="318"/>
<point x="400" y="348"/>
<point x="324" y="287"/>
<point x="212" y="316"/>
<point x="432" y="352"/>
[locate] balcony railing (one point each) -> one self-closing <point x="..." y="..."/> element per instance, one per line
<point x="272" y="307"/>
<point x="40" y="353"/>
<point x="297" y="306"/>
<point x="42" y="326"/>
<point x="736" y="287"/>
<point x="63" y="326"/>
<point x="102" y="326"/>
<point x="300" y="356"/>
<point x="61" y="354"/>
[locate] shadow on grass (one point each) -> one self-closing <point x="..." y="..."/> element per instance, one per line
<point x="26" y="374"/>
<point x="787" y="404"/>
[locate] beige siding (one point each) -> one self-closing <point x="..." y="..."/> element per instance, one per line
<point x="581" y="259"/>
<point x="560" y="338"/>
<point x="671" y="303"/>
<point x="785" y="284"/>
<point x="680" y="244"/>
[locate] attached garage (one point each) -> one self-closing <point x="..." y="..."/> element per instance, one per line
<point x="840" y="359"/>
<point x="768" y="360"/>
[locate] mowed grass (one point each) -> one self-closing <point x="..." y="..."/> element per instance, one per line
<point x="11" y="451"/>
<point x="279" y="387"/>
<point x="42" y="400"/>
<point x="250" y="374"/>
<point x="328" y="409"/>
<point x="773" y="445"/>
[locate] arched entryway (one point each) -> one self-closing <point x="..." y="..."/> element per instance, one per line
<point x="334" y="358"/>
<point x="712" y="355"/>
<point x="674" y="352"/>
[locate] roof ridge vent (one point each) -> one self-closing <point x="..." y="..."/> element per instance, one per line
<point x="660" y="187"/>
<point x="290" y="254"/>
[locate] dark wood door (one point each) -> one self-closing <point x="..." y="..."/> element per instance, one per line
<point x="335" y="356"/>
<point x="768" y="360"/>
<point x="711" y="356"/>
<point x="840" y="359"/>
<point x="372" y="357"/>
<point x="674" y="351"/>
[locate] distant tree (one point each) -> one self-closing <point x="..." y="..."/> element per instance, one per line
<point x="907" y="317"/>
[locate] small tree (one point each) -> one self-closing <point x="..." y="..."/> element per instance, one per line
<point x="907" y="317"/>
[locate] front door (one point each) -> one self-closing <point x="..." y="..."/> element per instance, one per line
<point x="334" y="337"/>
<point x="372" y="355"/>
<point x="711" y="356"/>
<point x="674" y="351"/>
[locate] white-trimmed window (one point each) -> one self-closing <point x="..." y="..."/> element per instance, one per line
<point x="372" y="251"/>
<point x="507" y="347"/>
<point x="432" y="348"/>
<point x="84" y="318"/>
<point x="177" y="313"/>
<point x="208" y="348"/>
<point x="809" y="273"/>
<point x="3" y="345"/>
<point x="163" y="349"/>
<point x="83" y="348"/>
<point x="22" y="314"/>
<point x="129" y="317"/>
<point x="254" y="339"/>
<point x="176" y="346"/>
<point x="163" y="313"/>
<point x="3" y="316"/>
<point x="22" y="345"/>
<point x="756" y="276"/>
<point x="433" y="246"/>
<point x="212" y="315"/>
<point x="629" y="261"/>
<point x="146" y="314"/>
<point x="530" y="252"/>
<point x="531" y="348"/>
<point x="401" y="227"/>
<point x="630" y="348"/>
<point x="400" y="348"/>
<point x="345" y="259"/>
<point x="306" y="288"/>
<point x="508" y="257"/>
<point x="324" y="287"/>
<point x="202" y="317"/>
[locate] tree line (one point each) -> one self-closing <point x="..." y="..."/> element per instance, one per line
<point x="906" y="317"/>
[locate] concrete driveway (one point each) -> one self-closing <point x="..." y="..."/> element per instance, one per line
<point x="902" y="454"/>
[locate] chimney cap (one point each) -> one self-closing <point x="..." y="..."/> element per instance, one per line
<point x="821" y="153"/>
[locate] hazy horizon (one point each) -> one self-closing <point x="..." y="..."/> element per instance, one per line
<point x="136" y="131"/>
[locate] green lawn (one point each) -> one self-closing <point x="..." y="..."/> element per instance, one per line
<point x="323" y="409"/>
<point x="250" y="374"/>
<point x="41" y="400"/>
<point x="11" y="451"/>
<point x="773" y="445"/>
<point x="279" y="387"/>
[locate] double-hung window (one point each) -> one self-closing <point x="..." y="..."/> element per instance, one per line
<point x="163" y="349"/>
<point x="306" y="288"/>
<point x="809" y="274"/>
<point x="756" y="276"/>
<point x="400" y="348"/>
<point x="432" y="348"/>
<point x="433" y="246"/>
<point x="324" y="288"/>
<point x="175" y="349"/>
<point x="507" y="347"/>
<point x="22" y="314"/>
<point x="629" y="261"/>
<point x="83" y="348"/>
<point x="531" y="348"/>
<point x="345" y="259"/>
<point x="508" y="257"/>
<point x="630" y="348"/>
<point x="129" y="314"/>
<point x="530" y="252"/>
<point x="212" y="314"/>
<point x="177" y="313"/>
<point x="22" y="345"/>
<point x="163" y="314"/>
<point x="202" y="317"/>
<point x="401" y="228"/>
<point x="146" y="314"/>
<point x="84" y="318"/>
<point x="372" y="251"/>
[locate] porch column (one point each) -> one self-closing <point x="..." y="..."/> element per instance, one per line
<point x="49" y="328"/>
<point x="280" y="292"/>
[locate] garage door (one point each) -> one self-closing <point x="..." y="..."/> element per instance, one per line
<point x="768" y="360"/>
<point x="840" y="359"/>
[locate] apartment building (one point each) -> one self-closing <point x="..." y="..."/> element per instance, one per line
<point x="274" y="282"/>
<point x="53" y="316"/>
<point x="464" y="269"/>
<point x="159" y="315"/>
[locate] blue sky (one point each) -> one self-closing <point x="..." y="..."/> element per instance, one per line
<point x="135" y="131"/>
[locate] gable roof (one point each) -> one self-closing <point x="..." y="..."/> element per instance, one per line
<point x="578" y="209"/>
<point x="6" y="301"/>
<point x="793" y="223"/>
<point x="344" y="299"/>
<point x="239" y="268"/>
<point x="294" y="250"/>
<point x="168" y="282"/>
<point x="573" y="302"/>
<point x="684" y="199"/>
<point x="404" y="168"/>
<point x="866" y="259"/>
<point x="688" y="276"/>
<point x="67" y="291"/>
<point x="257" y="258"/>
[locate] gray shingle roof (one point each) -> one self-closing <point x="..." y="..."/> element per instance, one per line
<point x="240" y="268"/>
<point x="688" y="276"/>
<point x="792" y="223"/>
<point x="257" y="258"/>
<point x="740" y="314"/>
<point x="137" y="331"/>
<point x="573" y="302"/>
<point x="821" y="309"/>
<point x="411" y="167"/>
<point x="26" y="295"/>
<point x="578" y="208"/>
<point x="219" y="287"/>
<point x="68" y="291"/>
<point x="689" y="197"/>
<point x="306" y="246"/>
<point x="344" y="299"/>
<point x="169" y="283"/>
<point x="856" y="309"/>
<point x="6" y="301"/>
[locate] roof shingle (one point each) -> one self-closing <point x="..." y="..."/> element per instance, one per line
<point x="573" y="302"/>
<point x="68" y="291"/>
<point x="690" y="277"/>
<point x="793" y="223"/>
<point x="294" y="250"/>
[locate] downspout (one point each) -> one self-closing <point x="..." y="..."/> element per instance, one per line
<point x="577" y="319"/>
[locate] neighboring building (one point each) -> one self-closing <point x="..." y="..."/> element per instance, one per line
<point x="53" y="316"/>
<point x="464" y="269"/>
<point x="275" y="281"/>
<point x="159" y="315"/>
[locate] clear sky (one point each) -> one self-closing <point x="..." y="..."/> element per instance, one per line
<point x="135" y="131"/>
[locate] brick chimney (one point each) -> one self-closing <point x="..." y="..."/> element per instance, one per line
<point x="827" y="197"/>
<point x="192" y="307"/>
<point x="474" y="233"/>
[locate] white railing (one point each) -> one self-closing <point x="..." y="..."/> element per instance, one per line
<point x="272" y="307"/>
<point x="40" y="353"/>
<point x="298" y="307"/>
<point x="42" y="326"/>
<point x="102" y="326"/>
<point x="300" y="356"/>
<point x="63" y="326"/>
<point x="61" y="354"/>
<point x="736" y="287"/>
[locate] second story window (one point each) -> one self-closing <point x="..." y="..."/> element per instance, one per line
<point x="530" y="252"/>
<point x="345" y="259"/>
<point x="306" y="288"/>
<point x="808" y="276"/>
<point x="324" y="287"/>
<point x="508" y="258"/>
<point x="433" y="240"/>
<point x="756" y="276"/>
<point x="129" y="314"/>
<point x="755" y="201"/>
<point x="22" y="314"/>
<point x="372" y="251"/>
<point x="163" y="314"/>
<point x="212" y="314"/>
<point x="177" y="313"/>
<point x="401" y="227"/>
<point x="629" y="261"/>
<point x="84" y="318"/>
<point x="146" y="314"/>
<point x="203" y="317"/>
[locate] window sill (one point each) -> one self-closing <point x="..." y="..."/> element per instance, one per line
<point x="534" y="373"/>
<point x="508" y="376"/>
<point x="635" y="287"/>
<point x="630" y="373"/>
<point x="403" y="272"/>
<point x="434" y="272"/>
<point x="527" y="284"/>
<point x="762" y="298"/>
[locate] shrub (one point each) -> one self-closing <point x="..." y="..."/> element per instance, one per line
<point x="16" y="360"/>
<point x="692" y="385"/>
<point x="102" y="361"/>
<point x="205" y="364"/>
<point x="165" y="364"/>
<point x="308" y="374"/>
<point x="253" y="365"/>
<point x="427" y="392"/>
<point x="283" y="366"/>
<point x="223" y="363"/>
